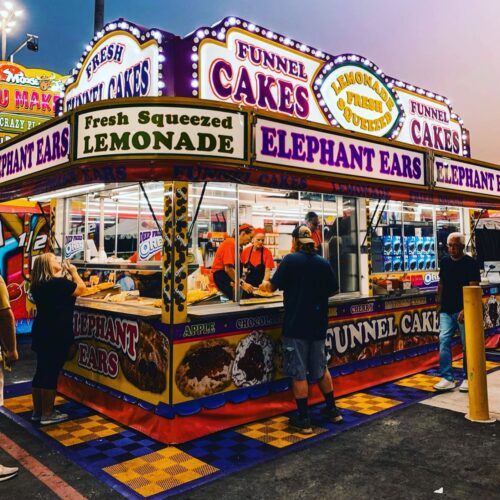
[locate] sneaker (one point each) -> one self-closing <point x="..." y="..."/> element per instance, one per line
<point x="445" y="385"/>
<point x="332" y="414"/>
<point x="464" y="386"/>
<point x="7" y="472"/>
<point x="35" y="417"/>
<point x="302" y="424"/>
<point x="54" y="418"/>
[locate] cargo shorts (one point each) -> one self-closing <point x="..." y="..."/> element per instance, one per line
<point x="303" y="358"/>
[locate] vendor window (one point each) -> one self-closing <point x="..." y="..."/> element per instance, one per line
<point x="212" y="211"/>
<point x="332" y="220"/>
<point x="115" y="234"/>
<point x="271" y="216"/>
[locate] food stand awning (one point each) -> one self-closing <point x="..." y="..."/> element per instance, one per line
<point x="145" y="138"/>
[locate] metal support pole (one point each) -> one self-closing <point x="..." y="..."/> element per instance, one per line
<point x="476" y="358"/>
<point x="98" y="15"/>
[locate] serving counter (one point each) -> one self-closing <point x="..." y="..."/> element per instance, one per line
<point x="223" y="367"/>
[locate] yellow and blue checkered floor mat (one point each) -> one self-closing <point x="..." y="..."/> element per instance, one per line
<point x="140" y="467"/>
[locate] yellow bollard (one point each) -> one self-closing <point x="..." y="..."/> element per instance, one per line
<point x="476" y="358"/>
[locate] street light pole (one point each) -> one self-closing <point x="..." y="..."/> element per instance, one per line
<point x="8" y="15"/>
<point x="98" y="15"/>
<point x="4" y="43"/>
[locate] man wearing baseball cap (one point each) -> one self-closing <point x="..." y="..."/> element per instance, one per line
<point x="307" y="281"/>
<point x="223" y="266"/>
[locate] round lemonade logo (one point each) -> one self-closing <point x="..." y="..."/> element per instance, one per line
<point x="359" y="99"/>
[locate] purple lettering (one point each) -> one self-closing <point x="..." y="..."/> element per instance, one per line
<point x="298" y="146"/>
<point x="243" y="91"/>
<point x="266" y="98"/>
<point x="268" y="146"/>
<point x="221" y="69"/>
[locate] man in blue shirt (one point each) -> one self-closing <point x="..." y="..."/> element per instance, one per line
<point x="307" y="281"/>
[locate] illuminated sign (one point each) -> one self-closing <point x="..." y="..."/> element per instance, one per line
<point x="240" y="62"/>
<point x="358" y="99"/>
<point x="124" y="62"/>
<point x="28" y="97"/>
<point x="13" y="123"/>
<point x="279" y="143"/>
<point x="40" y="151"/>
<point x="250" y="66"/>
<point x="458" y="176"/>
<point x="142" y="129"/>
<point x="430" y="123"/>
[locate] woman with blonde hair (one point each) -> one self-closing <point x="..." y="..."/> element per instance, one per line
<point x="54" y="297"/>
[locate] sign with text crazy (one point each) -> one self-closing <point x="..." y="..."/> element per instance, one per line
<point x="249" y="69"/>
<point x="118" y="65"/>
<point x="458" y="176"/>
<point x="277" y="143"/>
<point x="46" y="149"/>
<point x="162" y="130"/>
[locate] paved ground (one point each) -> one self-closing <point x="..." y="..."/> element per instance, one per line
<point x="409" y="453"/>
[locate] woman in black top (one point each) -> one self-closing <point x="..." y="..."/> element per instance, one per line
<point x="54" y="297"/>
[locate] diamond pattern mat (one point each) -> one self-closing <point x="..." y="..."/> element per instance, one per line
<point x="420" y="381"/>
<point x="367" y="404"/>
<point x="159" y="471"/>
<point x="137" y="466"/>
<point x="116" y="448"/>
<point x="276" y="432"/>
<point x="228" y="449"/>
<point x="21" y="404"/>
<point x="73" y="432"/>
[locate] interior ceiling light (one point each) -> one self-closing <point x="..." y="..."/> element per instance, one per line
<point x="67" y="192"/>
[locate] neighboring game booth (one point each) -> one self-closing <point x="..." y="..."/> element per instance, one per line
<point x="28" y="97"/>
<point x="163" y="168"/>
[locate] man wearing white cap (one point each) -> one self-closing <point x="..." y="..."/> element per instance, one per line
<point x="307" y="281"/>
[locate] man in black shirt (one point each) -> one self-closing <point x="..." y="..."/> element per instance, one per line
<point x="456" y="271"/>
<point x="307" y="281"/>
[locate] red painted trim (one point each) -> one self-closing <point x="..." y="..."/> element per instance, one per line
<point x="10" y="209"/>
<point x="182" y="429"/>
<point x="493" y="341"/>
<point x="47" y="476"/>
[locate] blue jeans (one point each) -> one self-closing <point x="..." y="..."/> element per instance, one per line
<point x="448" y="324"/>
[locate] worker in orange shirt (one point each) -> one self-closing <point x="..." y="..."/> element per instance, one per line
<point x="257" y="261"/>
<point x="223" y="266"/>
<point x="312" y="222"/>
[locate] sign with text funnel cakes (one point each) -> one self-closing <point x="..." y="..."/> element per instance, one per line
<point x="123" y="60"/>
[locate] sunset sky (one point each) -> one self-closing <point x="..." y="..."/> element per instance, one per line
<point x="446" y="46"/>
